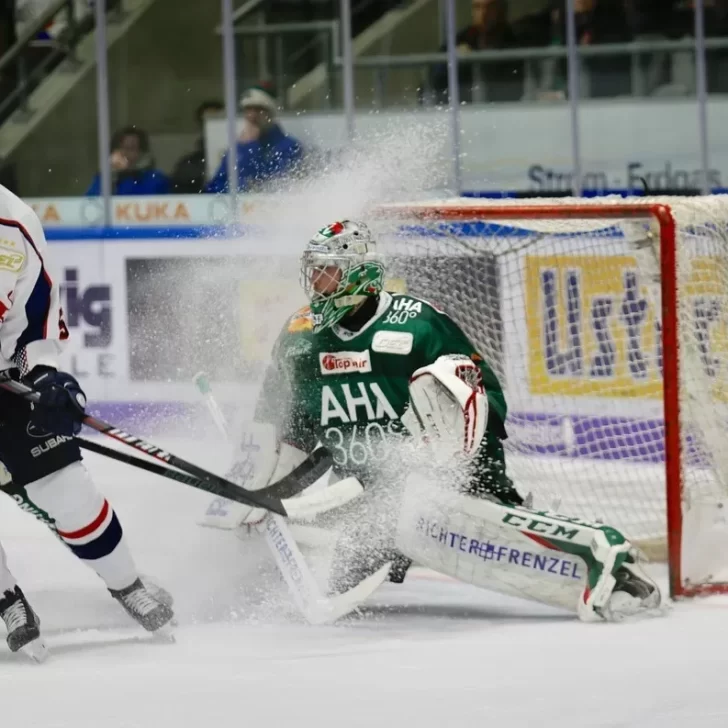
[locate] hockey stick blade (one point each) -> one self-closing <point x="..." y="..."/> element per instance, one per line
<point x="302" y="476"/>
<point x="222" y="515"/>
<point x="340" y="605"/>
<point x="307" y="507"/>
<point x="216" y="484"/>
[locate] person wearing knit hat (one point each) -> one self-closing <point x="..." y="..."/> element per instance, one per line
<point x="265" y="151"/>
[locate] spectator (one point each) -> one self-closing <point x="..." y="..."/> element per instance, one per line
<point x="650" y="17"/>
<point x="189" y="174"/>
<point x="716" y="26"/>
<point x="132" y="166"/>
<point x="28" y="12"/>
<point x="597" y="22"/>
<point x="264" y="151"/>
<point x="489" y="30"/>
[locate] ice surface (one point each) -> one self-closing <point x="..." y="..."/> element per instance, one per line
<point x="429" y="652"/>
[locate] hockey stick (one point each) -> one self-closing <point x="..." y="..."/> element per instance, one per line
<point x="214" y="483"/>
<point x="227" y="515"/>
<point x="302" y="508"/>
<point x="223" y="514"/>
<point x="293" y="567"/>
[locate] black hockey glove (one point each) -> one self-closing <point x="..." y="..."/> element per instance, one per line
<point x="61" y="406"/>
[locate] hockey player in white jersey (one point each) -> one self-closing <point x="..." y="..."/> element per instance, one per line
<point x="36" y="441"/>
<point x="385" y="380"/>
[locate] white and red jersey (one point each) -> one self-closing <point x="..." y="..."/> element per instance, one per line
<point x="32" y="330"/>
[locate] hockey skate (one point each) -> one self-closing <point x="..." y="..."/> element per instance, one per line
<point x="144" y="608"/>
<point x="634" y="594"/>
<point x="23" y="625"/>
<point x="157" y="591"/>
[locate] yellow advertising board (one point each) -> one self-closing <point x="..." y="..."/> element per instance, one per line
<point x="592" y="331"/>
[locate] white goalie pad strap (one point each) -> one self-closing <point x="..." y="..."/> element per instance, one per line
<point x="448" y="404"/>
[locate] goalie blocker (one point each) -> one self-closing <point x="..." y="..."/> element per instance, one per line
<point x="553" y="559"/>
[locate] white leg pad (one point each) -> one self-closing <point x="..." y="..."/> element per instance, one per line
<point x="440" y="532"/>
<point x="539" y="555"/>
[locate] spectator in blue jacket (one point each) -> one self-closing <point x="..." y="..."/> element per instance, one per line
<point x="132" y="166"/>
<point x="265" y="151"/>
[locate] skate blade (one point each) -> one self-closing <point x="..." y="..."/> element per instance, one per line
<point x="35" y="650"/>
<point x="165" y="634"/>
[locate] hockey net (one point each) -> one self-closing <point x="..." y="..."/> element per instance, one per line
<point x="607" y="322"/>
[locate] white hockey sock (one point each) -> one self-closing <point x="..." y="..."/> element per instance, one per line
<point x="86" y="522"/>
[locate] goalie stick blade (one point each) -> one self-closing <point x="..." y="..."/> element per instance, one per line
<point x="307" y="507"/>
<point x="340" y="605"/>
<point x="302" y="476"/>
<point x="227" y="515"/>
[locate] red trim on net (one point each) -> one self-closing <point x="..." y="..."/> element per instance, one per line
<point x="670" y="331"/>
<point x="86" y="530"/>
<point x="671" y="395"/>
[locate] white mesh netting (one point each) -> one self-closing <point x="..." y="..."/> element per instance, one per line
<point x="566" y="308"/>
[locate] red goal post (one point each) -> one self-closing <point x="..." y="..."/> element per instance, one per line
<point x="582" y="237"/>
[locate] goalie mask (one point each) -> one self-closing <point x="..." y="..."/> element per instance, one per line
<point x="339" y="270"/>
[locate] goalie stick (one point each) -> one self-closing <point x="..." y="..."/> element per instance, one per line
<point x="224" y="514"/>
<point x="315" y="607"/>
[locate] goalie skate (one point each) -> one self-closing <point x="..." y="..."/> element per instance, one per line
<point x="634" y="595"/>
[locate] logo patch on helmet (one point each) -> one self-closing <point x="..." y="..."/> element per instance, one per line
<point x="336" y="228"/>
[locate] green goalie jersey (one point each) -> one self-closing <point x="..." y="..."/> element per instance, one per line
<point x="348" y="389"/>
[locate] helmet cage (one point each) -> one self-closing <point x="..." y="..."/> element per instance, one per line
<point x="349" y="249"/>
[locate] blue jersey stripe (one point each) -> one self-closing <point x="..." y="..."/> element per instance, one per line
<point x="37" y="311"/>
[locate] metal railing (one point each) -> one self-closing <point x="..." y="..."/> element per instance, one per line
<point x="62" y="48"/>
<point x="325" y="35"/>
<point x="244" y="11"/>
<point x="636" y="51"/>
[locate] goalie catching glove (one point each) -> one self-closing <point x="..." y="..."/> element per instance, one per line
<point x="448" y="407"/>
